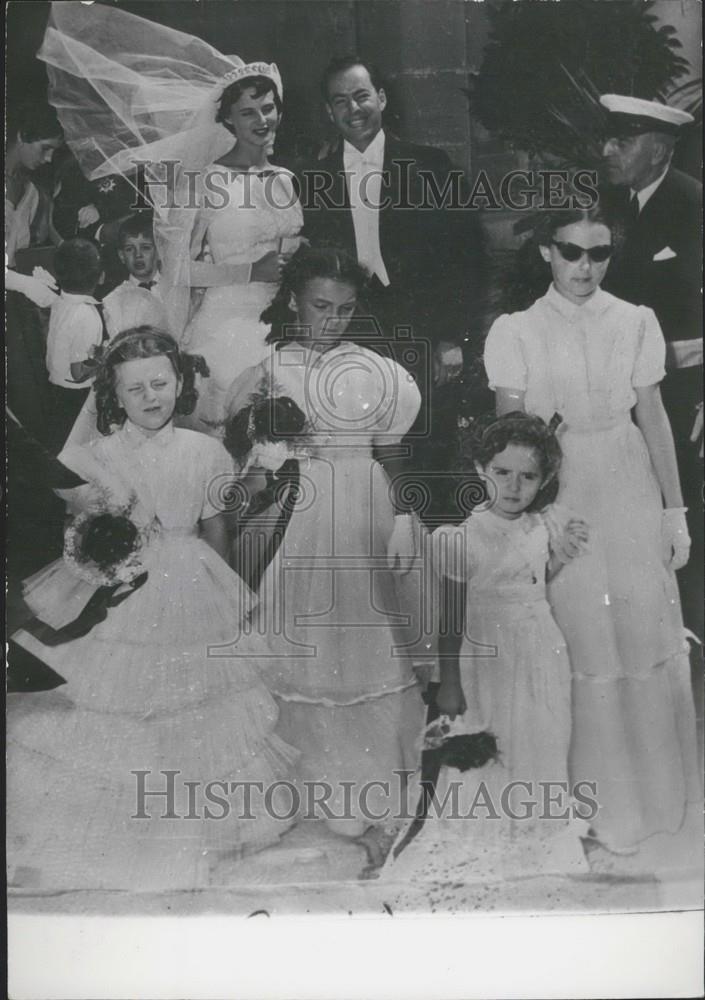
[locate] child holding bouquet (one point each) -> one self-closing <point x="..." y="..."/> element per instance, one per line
<point x="143" y="698"/>
<point x="340" y="606"/>
<point x="504" y="673"/>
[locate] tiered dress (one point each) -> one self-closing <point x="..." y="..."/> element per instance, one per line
<point x="618" y="606"/>
<point x="340" y="630"/>
<point x="515" y="675"/>
<point x="148" y="689"/>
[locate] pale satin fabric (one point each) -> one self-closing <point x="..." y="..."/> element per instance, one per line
<point x="260" y="214"/>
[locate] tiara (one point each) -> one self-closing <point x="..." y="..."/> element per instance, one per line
<point x="255" y="69"/>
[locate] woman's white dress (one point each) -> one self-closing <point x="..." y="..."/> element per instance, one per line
<point x="148" y="689"/>
<point x="341" y="631"/>
<point x="252" y="214"/>
<point x="618" y="605"/>
<point x="515" y="676"/>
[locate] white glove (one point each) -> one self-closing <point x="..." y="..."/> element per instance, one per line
<point x="36" y="291"/>
<point x="569" y="536"/>
<point x="87" y="215"/>
<point x="267" y="455"/>
<point x="41" y="274"/>
<point x="401" y="549"/>
<point x="675" y="538"/>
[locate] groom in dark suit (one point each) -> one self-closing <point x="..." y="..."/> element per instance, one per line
<point x="381" y="199"/>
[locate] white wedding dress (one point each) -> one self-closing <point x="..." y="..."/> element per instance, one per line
<point x="261" y="213"/>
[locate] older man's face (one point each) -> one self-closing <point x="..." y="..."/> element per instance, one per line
<point x="636" y="160"/>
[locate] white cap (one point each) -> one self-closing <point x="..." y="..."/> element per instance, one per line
<point x="634" y="115"/>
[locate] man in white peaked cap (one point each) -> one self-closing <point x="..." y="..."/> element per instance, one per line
<point x="660" y="266"/>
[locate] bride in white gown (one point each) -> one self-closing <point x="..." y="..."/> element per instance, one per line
<point x="201" y="126"/>
<point x="246" y="229"/>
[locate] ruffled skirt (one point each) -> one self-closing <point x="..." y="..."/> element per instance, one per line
<point x="151" y="704"/>
<point x="514" y="817"/>
<point x="340" y="636"/>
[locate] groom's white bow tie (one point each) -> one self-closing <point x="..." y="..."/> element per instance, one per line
<point x="357" y="159"/>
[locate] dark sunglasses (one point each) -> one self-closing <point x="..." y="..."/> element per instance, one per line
<point x="573" y="252"/>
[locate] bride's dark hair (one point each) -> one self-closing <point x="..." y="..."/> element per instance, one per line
<point x="307" y="263"/>
<point x="261" y="86"/>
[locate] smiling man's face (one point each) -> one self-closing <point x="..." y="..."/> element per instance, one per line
<point x="355" y="106"/>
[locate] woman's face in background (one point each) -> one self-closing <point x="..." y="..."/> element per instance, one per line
<point x="325" y="306"/>
<point x="254" y="120"/>
<point x="577" y="280"/>
<point x="35" y="154"/>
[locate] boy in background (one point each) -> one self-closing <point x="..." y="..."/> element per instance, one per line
<point x="76" y="327"/>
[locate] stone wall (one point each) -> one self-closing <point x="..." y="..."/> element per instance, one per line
<point x="426" y="49"/>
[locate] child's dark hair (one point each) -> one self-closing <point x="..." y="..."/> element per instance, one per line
<point x="261" y="86"/>
<point x="78" y="266"/>
<point x="307" y="263"/>
<point x="489" y="435"/>
<point x="139" y="224"/>
<point x="271" y="419"/>
<point x="143" y="342"/>
<point x="35" y="121"/>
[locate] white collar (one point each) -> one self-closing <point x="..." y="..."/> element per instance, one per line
<point x="596" y="304"/>
<point x="136" y="281"/>
<point x="373" y="155"/>
<point x="645" y="193"/>
<point x="136" y="438"/>
<point x="79" y="297"/>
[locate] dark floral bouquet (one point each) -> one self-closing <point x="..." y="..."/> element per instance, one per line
<point x="104" y="547"/>
<point x="461" y="750"/>
<point x="267" y="432"/>
<point x="446" y="743"/>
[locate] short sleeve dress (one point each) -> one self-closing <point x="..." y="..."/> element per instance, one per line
<point x="618" y="606"/>
<point x="515" y="675"/>
<point x="165" y="682"/>
<point x="340" y="630"/>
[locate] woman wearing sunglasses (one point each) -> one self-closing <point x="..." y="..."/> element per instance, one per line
<point x="597" y="361"/>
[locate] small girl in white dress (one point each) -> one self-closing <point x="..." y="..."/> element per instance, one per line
<point x="508" y="675"/>
<point x="150" y="702"/>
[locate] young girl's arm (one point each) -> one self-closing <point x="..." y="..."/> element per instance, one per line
<point x="450" y="699"/>
<point x="214" y="530"/>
